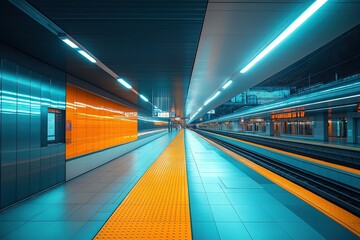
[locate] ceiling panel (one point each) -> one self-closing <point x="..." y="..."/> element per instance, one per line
<point x="150" y="44"/>
<point x="234" y="32"/>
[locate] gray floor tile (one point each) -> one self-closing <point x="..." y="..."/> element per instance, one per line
<point x="224" y="213"/>
<point x="29" y="230"/>
<point x="198" y="198"/>
<point x="201" y="213"/>
<point x="232" y="230"/>
<point x="89" y="230"/>
<point x="252" y="213"/>
<point x="261" y="231"/>
<point x="217" y="198"/>
<point x="7" y="227"/>
<point x="85" y="212"/>
<point x="204" y="231"/>
<point x="58" y="212"/>
<point x="300" y="231"/>
<point x="80" y="197"/>
<point x="61" y="230"/>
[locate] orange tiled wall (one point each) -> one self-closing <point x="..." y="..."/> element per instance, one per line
<point x="94" y="123"/>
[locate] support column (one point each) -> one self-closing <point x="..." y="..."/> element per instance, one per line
<point x="269" y="127"/>
<point x="235" y="126"/>
<point x="351" y="131"/>
<point x="321" y="126"/>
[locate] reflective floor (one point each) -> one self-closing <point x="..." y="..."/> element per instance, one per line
<point x="80" y="207"/>
<point x="230" y="201"/>
<point x="227" y="200"/>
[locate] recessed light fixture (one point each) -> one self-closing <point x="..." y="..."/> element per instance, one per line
<point x="124" y="83"/>
<point x="227" y="84"/>
<point x="144" y="98"/>
<point x="290" y="29"/>
<point x="87" y="56"/>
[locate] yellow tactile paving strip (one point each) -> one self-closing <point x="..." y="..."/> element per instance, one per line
<point x="332" y="165"/>
<point x="158" y="205"/>
<point x="340" y="215"/>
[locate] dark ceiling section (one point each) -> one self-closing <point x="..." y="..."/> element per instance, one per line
<point x="23" y="33"/>
<point x="338" y="59"/>
<point x="151" y="44"/>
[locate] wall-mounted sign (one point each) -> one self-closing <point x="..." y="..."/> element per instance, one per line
<point x="163" y="114"/>
<point x="51" y="126"/>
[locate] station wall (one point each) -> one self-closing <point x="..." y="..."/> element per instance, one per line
<point x="31" y="160"/>
<point x="94" y="123"/>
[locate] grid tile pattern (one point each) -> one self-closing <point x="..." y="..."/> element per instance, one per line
<point x="78" y="208"/>
<point x="158" y="206"/>
<point x="231" y="201"/>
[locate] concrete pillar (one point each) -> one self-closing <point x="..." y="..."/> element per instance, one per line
<point x="351" y="131"/>
<point x="235" y="126"/>
<point x="269" y="127"/>
<point x="320" y="130"/>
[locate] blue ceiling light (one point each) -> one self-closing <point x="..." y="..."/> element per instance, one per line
<point x="124" y="83"/>
<point x="69" y="42"/>
<point x="144" y="98"/>
<point x="300" y="20"/>
<point x="212" y="98"/>
<point x="87" y="56"/>
<point x="227" y="84"/>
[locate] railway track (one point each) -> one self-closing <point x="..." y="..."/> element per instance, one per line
<point x="347" y="197"/>
<point x="338" y="156"/>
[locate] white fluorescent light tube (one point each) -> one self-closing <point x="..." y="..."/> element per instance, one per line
<point x="212" y="98"/>
<point x="124" y="83"/>
<point x="216" y="94"/>
<point x="69" y="42"/>
<point x="144" y="98"/>
<point x="300" y="20"/>
<point x="86" y="55"/>
<point x="206" y="103"/>
<point x="200" y="109"/>
<point x="227" y="84"/>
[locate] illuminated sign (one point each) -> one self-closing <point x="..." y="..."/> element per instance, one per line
<point x="288" y="115"/>
<point x="163" y="114"/>
<point x="211" y="111"/>
<point x="51" y="126"/>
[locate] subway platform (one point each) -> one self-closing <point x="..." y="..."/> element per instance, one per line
<point x="179" y="186"/>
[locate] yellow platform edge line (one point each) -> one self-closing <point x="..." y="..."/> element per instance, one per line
<point x="309" y="159"/>
<point x="343" y="217"/>
<point x="157" y="207"/>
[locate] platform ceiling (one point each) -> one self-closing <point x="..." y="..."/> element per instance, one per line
<point x="177" y="53"/>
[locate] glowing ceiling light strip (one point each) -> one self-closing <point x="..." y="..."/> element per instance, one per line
<point x="144" y="98"/>
<point x="227" y="84"/>
<point x="69" y="42"/>
<point x="212" y="98"/>
<point x="124" y="83"/>
<point x="86" y="55"/>
<point x="300" y="20"/>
